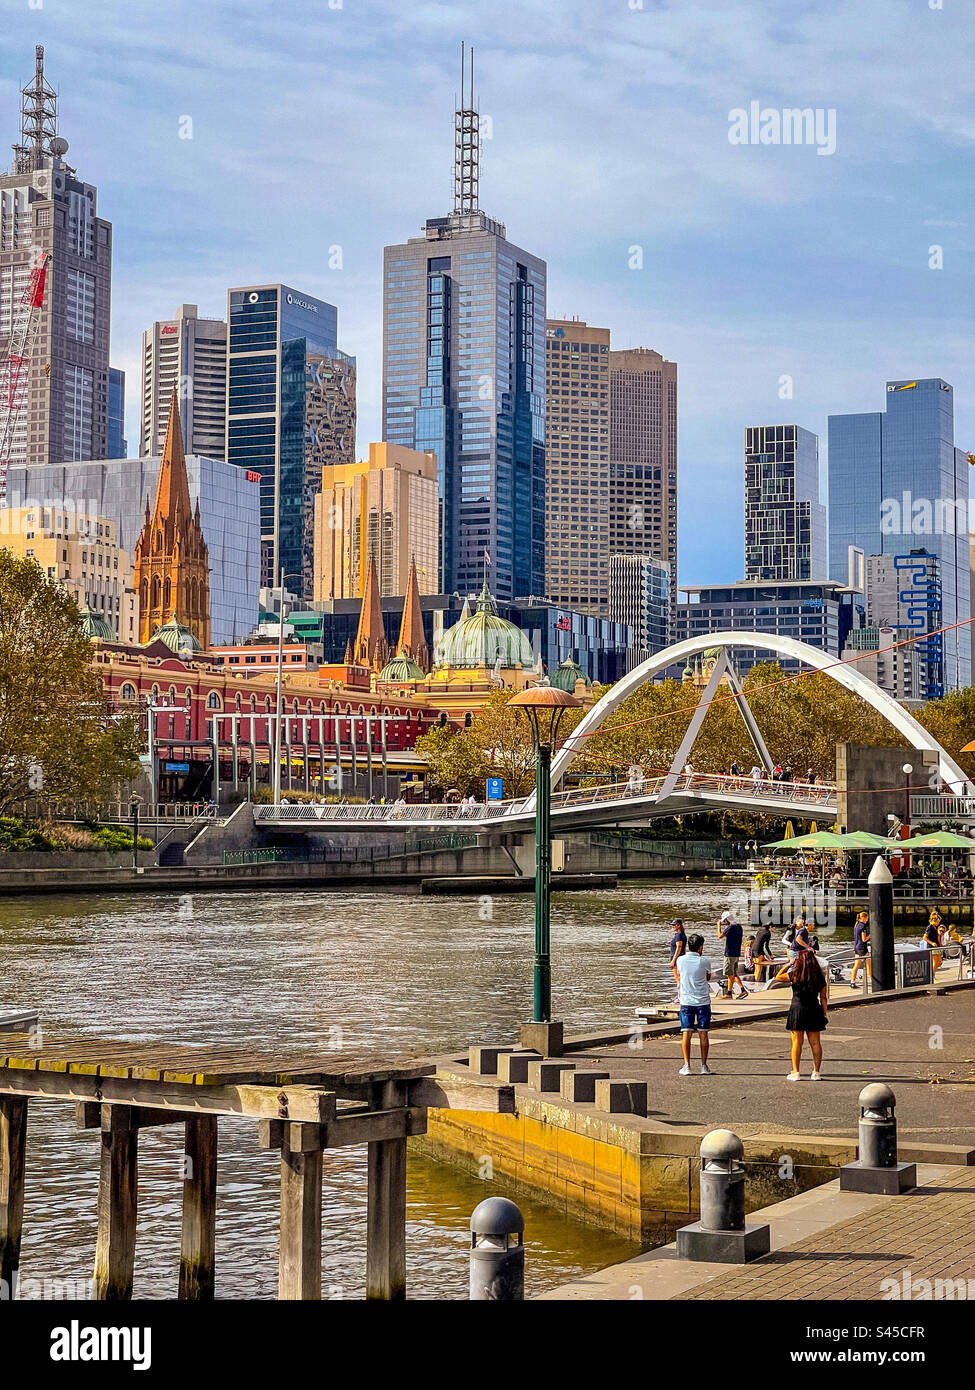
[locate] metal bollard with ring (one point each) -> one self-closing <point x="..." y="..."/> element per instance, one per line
<point x="497" y="1252"/>
<point x="722" y="1235"/>
<point x="876" y="1169"/>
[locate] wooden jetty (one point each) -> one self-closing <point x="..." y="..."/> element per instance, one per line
<point x="301" y="1107"/>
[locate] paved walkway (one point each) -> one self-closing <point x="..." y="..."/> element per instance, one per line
<point x="922" y="1045"/>
<point x="825" y="1244"/>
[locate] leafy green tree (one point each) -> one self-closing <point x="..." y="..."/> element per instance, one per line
<point x="56" y="740"/>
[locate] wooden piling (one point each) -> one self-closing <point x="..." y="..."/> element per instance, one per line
<point x="13" y="1148"/>
<point x="118" y="1195"/>
<point x="386" y="1206"/>
<point x="197" y="1258"/>
<point x="300" y="1260"/>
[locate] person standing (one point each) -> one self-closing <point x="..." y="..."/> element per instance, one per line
<point x="694" y="973"/>
<point x="808" y="1014"/>
<point x="861" y="947"/>
<point x="932" y="940"/>
<point x="678" y="946"/>
<point x="729" y="931"/>
<point x="762" y="952"/>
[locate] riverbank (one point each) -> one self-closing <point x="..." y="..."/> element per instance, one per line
<point x="636" y="1173"/>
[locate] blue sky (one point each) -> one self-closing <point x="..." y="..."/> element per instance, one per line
<point x="322" y="124"/>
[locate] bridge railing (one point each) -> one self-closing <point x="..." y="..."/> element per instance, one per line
<point x="746" y="788"/>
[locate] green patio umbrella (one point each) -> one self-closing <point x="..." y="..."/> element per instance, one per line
<point x="866" y="839"/>
<point x="938" y="839"/>
<point x="822" y="839"/>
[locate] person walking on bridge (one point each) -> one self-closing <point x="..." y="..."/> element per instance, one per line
<point x="694" y="972"/>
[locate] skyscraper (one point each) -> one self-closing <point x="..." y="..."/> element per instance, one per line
<point x="897" y="486"/>
<point x="290" y="411"/>
<point x="44" y="206"/>
<point x="643" y="457"/>
<point x="117" y="444"/>
<point x="785" y="522"/>
<point x="186" y="354"/>
<point x="385" y="509"/>
<point x="464" y="376"/>
<point x="639" y="595"/>
<point x="577" y="484"/>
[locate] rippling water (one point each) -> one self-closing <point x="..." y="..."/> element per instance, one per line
<point x="369" y="972"/>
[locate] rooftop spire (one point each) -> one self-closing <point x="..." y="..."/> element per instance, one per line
<point x="466" y="144"/>
<point x="370" y="641"/>
<point x="38" y="120"/>
<point x="412" y="640"/>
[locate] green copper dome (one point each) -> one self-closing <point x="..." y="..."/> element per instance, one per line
<point x="94" y="625"/>
<point x="401" y="668"/>
<point x="483" y="639"/>
<point x="176" y="637"/>
<point x="567" y="674"/>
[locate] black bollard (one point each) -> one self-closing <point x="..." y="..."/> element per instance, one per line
<point x="877" y="1169"/>
<point x="881" y="890"/>
<point x="497" y="1264"/>
<point x="722" y="1235"/>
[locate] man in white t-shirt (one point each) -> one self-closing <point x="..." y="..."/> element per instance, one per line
<point x="694" y="972"/>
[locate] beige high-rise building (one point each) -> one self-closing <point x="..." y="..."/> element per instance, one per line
<point x="386" y="508"/>
<point x="577" y="490"/>
<point x="82" y="553"/>
<point x="643" y="457"/>
<point x="188" y="355"/>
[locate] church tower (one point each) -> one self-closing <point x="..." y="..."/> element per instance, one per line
<point x="172" y="565"/>
<point x="412" y="640"/>
<point x="370" y="648"/>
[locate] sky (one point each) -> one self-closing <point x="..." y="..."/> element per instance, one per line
<point x="238" y="142"/>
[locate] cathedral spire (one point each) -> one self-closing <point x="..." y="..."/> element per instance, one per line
<point x="412" y="640"/>
<point x="371" y="648"/>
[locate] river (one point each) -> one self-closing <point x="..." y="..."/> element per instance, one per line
<point x="362" y="971"/>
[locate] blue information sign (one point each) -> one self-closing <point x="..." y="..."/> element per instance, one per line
<point x="176" y="767"/>
<point x="495" y="789"/>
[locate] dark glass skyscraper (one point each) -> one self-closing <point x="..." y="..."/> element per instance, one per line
<point x="283" y="356"/>
<point x="899" y="486"/>
<point x="464" y="376"/>
<point x="785" y="522"/>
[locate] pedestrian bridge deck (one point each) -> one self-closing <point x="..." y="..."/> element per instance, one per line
<point x="577" y="808"/>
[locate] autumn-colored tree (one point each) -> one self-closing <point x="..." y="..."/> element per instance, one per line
<point x="55" y="739"/>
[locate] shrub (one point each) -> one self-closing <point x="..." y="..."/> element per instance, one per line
<point x="18" y="836"/>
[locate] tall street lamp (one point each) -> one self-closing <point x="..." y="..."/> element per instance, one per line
<point x="544" y="705"/>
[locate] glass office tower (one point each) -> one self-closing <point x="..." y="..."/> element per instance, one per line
<point x="464" y="377"/>
<point x="282" y="358"/>
<point x="117" y="445"/>
<point x="785" y="522"/>
<point x="897" y="486"/>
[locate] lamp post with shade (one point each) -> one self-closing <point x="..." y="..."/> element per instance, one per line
<point x="544" y="705"/>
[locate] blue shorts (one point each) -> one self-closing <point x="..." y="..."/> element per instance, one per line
<point x="695" y="1018"/>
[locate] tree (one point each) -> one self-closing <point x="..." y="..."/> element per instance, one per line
<point x="55" y="738"/>
<point x="453" y="760"/>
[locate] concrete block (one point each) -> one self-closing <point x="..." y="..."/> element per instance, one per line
<point x="622" y="1097"/>
<point x="723" y="1247"/>
<point x="546" y="1038"/>
<point x="484" y="1060"/>
<point x="580" y="1086"/>
<point x="513" y="1066"/>
<point x="887" y="1182"/>
<point x="546" y="1075"/>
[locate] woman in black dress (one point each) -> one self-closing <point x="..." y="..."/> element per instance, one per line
<point x="807" y="1016"/>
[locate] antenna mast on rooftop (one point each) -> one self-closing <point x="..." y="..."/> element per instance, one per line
<point x="38" y="119"/>
<point x="466" y="145"/>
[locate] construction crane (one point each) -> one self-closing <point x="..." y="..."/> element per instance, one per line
<point x="15" y="367"/>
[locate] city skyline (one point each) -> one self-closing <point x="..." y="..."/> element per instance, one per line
<point x="806" y="294"/>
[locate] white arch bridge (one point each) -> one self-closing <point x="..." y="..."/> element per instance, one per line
<point x="642" y="800"/>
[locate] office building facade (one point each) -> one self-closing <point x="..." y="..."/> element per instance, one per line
<point x="577" y="487"/>
<point x="639" y="595"/>
<point x="902" y="593"/>
<point x="118" y="490"/>
<point x="117" y="443"/>
<point x="46" y="207"/>
<point x="290" y="411"/>
<point x="821" y="614"/>
<point x="785" y="522"/>
<point x="464" y="378"/>
<point x="186" y="354"/>
<point x="385" y="508"/>
<point x="643" y="457"/>
<point x="898" y="484"/>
